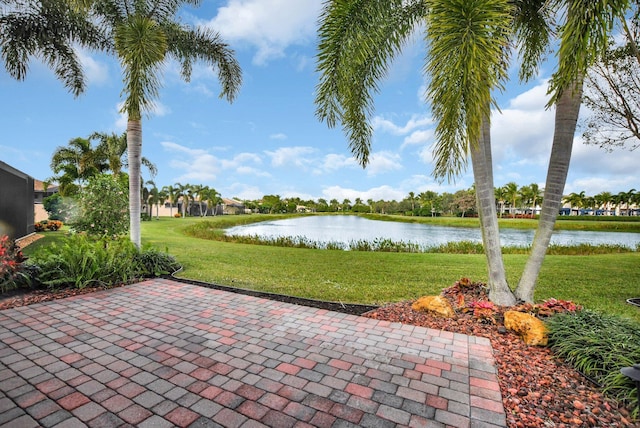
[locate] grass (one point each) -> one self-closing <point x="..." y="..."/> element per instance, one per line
<point x="599" y="282"/>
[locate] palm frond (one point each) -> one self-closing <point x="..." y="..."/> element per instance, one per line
<point x="358" y="41"/>
<point x="467" y="61"/>
<point x="206" y="45"/>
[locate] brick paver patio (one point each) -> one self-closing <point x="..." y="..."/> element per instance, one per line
<point x="162" y="353"/>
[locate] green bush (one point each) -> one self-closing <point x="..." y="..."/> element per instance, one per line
<point x="104" y="208"/>
<point x="599" y="346"/>
<point x="155" y="263"/>
<point x="81" y="261"/>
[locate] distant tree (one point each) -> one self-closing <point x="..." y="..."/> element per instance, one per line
<point x="612" y="93"/>
<point x="576" y="201"/>
<point x="511" y="194"/>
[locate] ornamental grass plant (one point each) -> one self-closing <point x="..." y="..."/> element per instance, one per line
<point x="599" y="345"/>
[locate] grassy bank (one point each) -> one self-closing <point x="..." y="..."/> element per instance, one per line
<point x="600" y="282"/>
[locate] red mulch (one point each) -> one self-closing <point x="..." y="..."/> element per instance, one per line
<point x="537" y="389"/>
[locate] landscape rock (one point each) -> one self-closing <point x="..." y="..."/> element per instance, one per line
<point x="436" y="305"/>
<point x="531" y="329"/>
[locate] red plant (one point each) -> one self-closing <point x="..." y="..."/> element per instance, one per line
<point x="10" y="259"/>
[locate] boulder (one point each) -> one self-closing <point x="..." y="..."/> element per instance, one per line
<point x="436" y="305"/>
<point x="531" y="329"/>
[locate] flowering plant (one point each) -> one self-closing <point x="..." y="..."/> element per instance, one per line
<point x="11" y="259"/>
<point x="483" y="309"/>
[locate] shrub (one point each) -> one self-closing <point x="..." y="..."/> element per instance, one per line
<point x="156" y="263"/>
<point x="599" y="346"/>
<point x="104" y="208"/>
<point x="48" y="225"/>
<point x="12" y="272"/>
<point x="81" y="261"/>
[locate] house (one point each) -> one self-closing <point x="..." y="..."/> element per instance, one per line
<point x="16" y="202"/>
<point x="39" y="193"/>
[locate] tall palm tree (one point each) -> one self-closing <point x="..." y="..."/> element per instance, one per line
<point x="47" y="29"/>
<point x="466" y="61"/>
<point x="584" y="37"/>
<point x="145" y="34"/>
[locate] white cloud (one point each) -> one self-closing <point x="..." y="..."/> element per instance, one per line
<point x="244" y="191"/>
<point x="385" y="192"/>
<point x="381" y="162"/>
<point x="291" y="156"/>
<point x="196" y="166"/>
<point x="268" y="25"/>
<point x="278" y="136"/>
<point x="248" y="170"/>
<point x="422" y="136"/>
<point x="95" y="72"/>
<point x="415" y="122"/>
<point x="335" y="161"/>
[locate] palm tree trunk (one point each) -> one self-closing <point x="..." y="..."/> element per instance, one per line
<point x="567" y="110"/>
<point x="134" y="152"/>
<point x="499" y="291"/>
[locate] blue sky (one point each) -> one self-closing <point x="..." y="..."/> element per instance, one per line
<point x="269" y="140"/>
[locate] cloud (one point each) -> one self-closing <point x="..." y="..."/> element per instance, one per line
<point x="422" y="136"/>
<point x="415" y="122"/>
<point x="196" y="166"/>
<point x="384" y="192"/>
<point x="291" y="156"/>
<point x="278" y="136"/>
<point x="333" y="162"/>
<point x="247" y="170"/>
<point x="381" y="162"/>
<point x="270" y="26"/>
<point x="96" y="73"/>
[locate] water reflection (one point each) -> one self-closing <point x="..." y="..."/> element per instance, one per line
<point x="347" y="229"/>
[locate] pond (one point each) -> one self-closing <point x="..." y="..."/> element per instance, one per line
<point x="347" y="229"/>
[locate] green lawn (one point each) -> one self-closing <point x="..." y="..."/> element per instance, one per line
<point x="599" y="282"/>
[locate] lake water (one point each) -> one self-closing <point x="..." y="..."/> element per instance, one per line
<point x="347" y="229"/>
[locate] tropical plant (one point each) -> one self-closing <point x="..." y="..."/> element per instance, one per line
<point x="171" y="193"/>
<point x="599" y="346"/>
<point x="145" y="34"/>
<point x="103" y="208"/>
<point x="49" y="30"/>
<point x="466" y="61"/>
<point x="75" y="163"/>
<point x="12" y="272"/>
<point x="112" y="149"/>
<point x="583" y="38"/>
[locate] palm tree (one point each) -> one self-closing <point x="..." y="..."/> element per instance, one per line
<point x="171" y="193"/>
<point x="212" y="198"/>
<point x="511" y="194"/>
<point x="501" y="198"/>
<point x="47" y="29"/>
<point x="575" y="201"/>
<point x="113" y="149"/>
<point x="584" y="36"/>
<point x="145" y="34"/>
<point x="466" y="61"/>
<point x="75" y="164"/>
